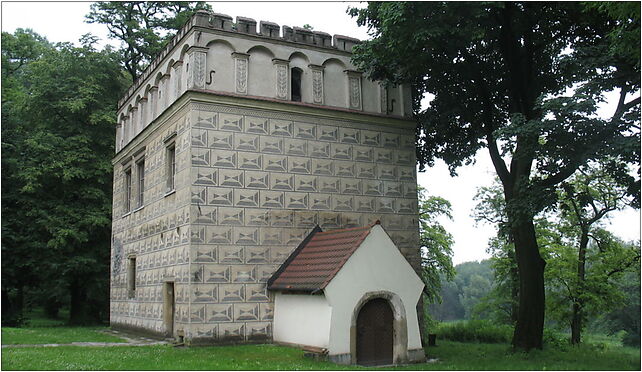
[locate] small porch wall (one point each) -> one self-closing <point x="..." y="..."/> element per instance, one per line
<point x="302" y="319"/>
<point x="376" y="266"/>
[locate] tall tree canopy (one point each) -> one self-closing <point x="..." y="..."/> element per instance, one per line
<point x="57" y="142"/>
<point x="143" y="27"/>
<point x="19" y="249"/>
<point x="523" y="80"/>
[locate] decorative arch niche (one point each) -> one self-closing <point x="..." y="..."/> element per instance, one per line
<point x="334" y="82"/>
<point x="261" y="77"/>
<point x="220" y="61"/>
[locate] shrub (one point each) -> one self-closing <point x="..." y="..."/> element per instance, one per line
<point x="556" y="340"/>
<point x="474" y="331"/>
<point x="631" y="339"/>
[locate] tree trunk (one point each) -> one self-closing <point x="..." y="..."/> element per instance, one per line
<point x="514" y="289"/>
<point x="13" y="307"/>
<point x="52" y="307"/>
<point x="79" y="309"/>
<point x="576" y="324"/>
<point x="530" y="318"/>
<point x="576" y="320"/>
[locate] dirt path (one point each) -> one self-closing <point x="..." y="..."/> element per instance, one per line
<point x="130" y="341"/>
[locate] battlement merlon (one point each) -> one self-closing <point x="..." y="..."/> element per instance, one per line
<point x="211" y="52"/>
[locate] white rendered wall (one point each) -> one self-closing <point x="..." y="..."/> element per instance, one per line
<point x="302" y="319"/>
<point x="219" y="60"/>
<point x="377" y="265"/>
<point x="261" y="77"/>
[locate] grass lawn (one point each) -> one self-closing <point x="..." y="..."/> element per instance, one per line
<point x="451" y="355"/>
<point x="55" y="335"/>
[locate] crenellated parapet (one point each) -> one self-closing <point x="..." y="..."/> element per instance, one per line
<point x="257" y="60"/>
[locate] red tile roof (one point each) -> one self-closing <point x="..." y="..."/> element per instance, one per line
<point x="317" y="259"/>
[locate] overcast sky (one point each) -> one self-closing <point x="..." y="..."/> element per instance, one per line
<point x="64" y="21"/>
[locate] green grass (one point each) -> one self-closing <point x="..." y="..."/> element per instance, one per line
<point x="55" y="335"/>
<point x="479" y="356"/>
<point x="451" y="355"/>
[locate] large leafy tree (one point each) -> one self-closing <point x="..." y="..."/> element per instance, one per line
<point x="60" y="142"/>
<point x="20" y="249"/>
<point x="143" y="27"/>
<point x="522" y="80"/>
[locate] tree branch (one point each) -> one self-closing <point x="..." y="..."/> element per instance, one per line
<point x="623" y="107"/>
<point x="623" y="268"/>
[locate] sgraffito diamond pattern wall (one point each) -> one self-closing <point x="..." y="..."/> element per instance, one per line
<point x="158" y="234"/>
<point x="250" y="185"/>
<point x="261" y="181"/>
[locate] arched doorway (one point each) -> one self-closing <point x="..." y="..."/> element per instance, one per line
<point x="374" y="343"/>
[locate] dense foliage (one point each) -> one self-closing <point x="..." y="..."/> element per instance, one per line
<point x="143" y="27"/>
<point x="522" y="80"/>
<point x="58" y="115"/>
<point x="436" y="244"/>
<point x="59" y="107"/>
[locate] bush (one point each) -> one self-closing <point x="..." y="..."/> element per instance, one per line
<point x="556" y="340"/>
<point x="475" y="331"/>
<point x="631" y="339"/>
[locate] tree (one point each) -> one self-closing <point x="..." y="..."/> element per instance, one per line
<point x="143" y="27"/>
<point x="436" y="244"/>
<point x="436" y="249"/>
<point x="522" y="80"/>
<point x="627" y="317"/>
<point x="20" y="254"/>
<point x="461" y="294"/>
<point x="572" y="299"/>
<point x="491" y="209"/>
<point x="58" y="211"/>
<point x="450" y="308"/>
<point x="581" y="278"/>
<point x="585" y="200"/>
<point x="474" y="280"/>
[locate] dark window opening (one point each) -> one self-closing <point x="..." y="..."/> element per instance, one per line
<point x="141" y="182"/>
<point x="128" y="190"/>
<point x="131" y="277"/>
<point x="296" y="84"/>
<point x="171" y="166"/>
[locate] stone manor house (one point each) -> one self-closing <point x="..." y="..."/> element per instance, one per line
<point x="265" y="190"/>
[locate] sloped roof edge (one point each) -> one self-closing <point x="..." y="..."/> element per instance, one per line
<point x="292" y="255"/>
<point x="317" y="260"/>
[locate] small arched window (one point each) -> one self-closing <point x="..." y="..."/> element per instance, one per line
<point x="296" y="84"/>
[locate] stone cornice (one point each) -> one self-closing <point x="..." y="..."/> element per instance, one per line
<point x="329" y="112"/>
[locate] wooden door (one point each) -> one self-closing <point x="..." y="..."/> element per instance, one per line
<point x="375" y="333"/>
<point x="168" y="309"/>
